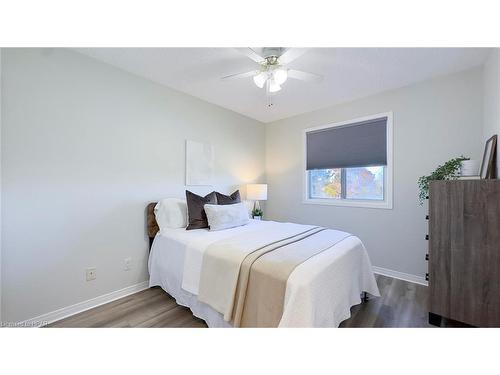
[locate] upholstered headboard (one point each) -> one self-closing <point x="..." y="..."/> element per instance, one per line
<point x="152" y="225"/>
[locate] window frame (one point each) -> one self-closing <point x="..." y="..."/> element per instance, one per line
<point x="388" y="173"/>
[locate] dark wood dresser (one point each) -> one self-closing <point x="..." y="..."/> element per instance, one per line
<point x="464" y="252"/>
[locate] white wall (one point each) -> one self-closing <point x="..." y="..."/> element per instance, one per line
<point x="434" y="121"/>
<point x="85" y="147"/>
<point x="491" y="104"/>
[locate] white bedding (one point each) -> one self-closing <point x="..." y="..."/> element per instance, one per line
<point x="319" y="293"/>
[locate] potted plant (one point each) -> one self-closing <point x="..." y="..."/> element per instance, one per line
<point x="257" y="213"/>
<point x="447" y="171"/>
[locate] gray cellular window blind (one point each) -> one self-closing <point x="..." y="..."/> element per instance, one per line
<point x="359" y="144"/>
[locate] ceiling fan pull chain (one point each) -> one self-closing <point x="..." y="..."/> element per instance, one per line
<point x="270" y="101"/>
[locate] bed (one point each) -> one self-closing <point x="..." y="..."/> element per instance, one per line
<point x="317" y="292"/>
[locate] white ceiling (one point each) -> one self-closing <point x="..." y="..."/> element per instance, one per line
<point x="349" y="73"/>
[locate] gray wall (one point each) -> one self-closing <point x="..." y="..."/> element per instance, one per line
<point x="85" y="147"/>
<point x="491" y="107"/>
<point x="433" y="121"/>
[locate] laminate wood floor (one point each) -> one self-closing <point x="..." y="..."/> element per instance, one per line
<point x="402" y="304"/>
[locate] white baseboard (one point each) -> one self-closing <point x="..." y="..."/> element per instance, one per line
<point x="65" y="312"/>
<point x="400" y="275"/>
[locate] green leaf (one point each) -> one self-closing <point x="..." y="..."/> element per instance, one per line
<point x="257" y="212"/>
<point x="447" y="171"/>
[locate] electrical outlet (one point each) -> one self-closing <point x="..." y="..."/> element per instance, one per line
<point x="127" y="264"/>
<point x="90" y="274"/>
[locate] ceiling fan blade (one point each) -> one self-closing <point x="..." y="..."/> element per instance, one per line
<point x="291" y="54"/>
<point x="304" y="76"/>
<point x="241" y="75"/>
<point x="250" y="53"/>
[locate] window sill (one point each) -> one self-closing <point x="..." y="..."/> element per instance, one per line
<point x="385" y="205"/>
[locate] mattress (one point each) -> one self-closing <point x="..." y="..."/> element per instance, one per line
<point x="319" y="292"/>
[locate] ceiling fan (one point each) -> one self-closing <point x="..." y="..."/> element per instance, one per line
<point x="273" y="71"/>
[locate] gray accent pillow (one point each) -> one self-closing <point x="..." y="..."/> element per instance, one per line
<point x="197" y="218"/>
<point x="228" y="199"/>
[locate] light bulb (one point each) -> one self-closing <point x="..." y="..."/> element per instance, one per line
<point x="260" y="79"/>
<point x="274" y="86"/>
<point x="280" y="75"/>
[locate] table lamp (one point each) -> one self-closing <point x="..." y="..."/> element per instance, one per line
<point x="257" y="192"/>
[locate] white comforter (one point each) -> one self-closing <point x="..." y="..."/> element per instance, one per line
<point x="319" y="293"/>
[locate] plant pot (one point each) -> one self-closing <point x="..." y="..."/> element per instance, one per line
<point x="469" y="168"/>
<point x="257" y="217"/>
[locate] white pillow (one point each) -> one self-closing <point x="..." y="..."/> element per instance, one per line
<point x="171" y="213"/>
<point x="226" y="216"/>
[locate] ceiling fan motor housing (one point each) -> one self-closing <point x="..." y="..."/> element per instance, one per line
<point x="272" y="52"/>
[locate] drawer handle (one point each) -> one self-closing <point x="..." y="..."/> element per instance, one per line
<point x="427" y="277"/>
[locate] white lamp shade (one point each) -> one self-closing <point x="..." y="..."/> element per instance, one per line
<point x="257" y="192"/>
<point x="280" y="75"/>
<point x="260" y="79"/>
<point x="273" y="86"/>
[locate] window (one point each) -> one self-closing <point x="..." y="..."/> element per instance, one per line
<point x="350" y="163"/>
<point x="363" y="183"/>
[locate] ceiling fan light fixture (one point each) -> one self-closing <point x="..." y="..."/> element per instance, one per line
<point x="280" y="75"/>
<point x="274" y="86"/>
<point x="260" y="79"/>
<point x="273" y="71"/>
